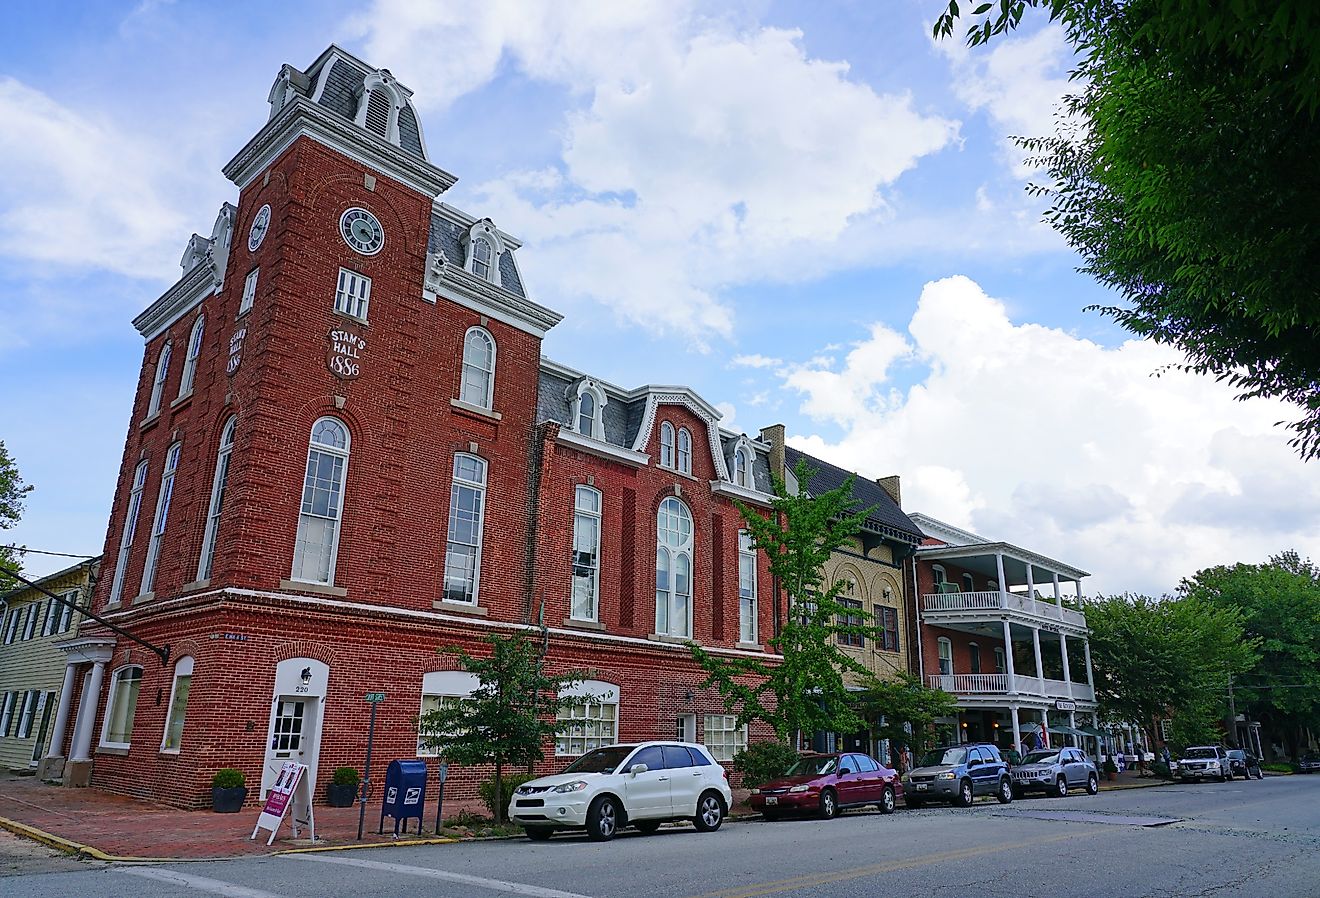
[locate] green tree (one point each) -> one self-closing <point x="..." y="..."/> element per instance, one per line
<point x="1280" y="606"/>
<point x="1183" y="173"/>
<point x="904" y="710"/>
<point x="508" y="717"/>
<point x="1156" y="658"/>
<point x="13" y="496"/>
<point x="803" y="690"/>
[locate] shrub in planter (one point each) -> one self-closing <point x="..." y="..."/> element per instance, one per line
<point x="761" y="762"/>
<point x="228" y="791"/>
<point x="342" y="789"/>
<point x="508" y="783"/>
<point x="1110" y="768"/>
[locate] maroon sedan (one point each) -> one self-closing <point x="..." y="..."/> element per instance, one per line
<point x="823" y="784"/>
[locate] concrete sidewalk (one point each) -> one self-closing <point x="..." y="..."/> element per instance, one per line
<point x="98" y="825"/>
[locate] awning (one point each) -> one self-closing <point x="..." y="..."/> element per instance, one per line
<point x="1065" y="730"/>
<point x="1092" y="731"/>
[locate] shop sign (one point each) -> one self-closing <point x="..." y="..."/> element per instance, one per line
<point x="1065" y="705"/>
<point x="344" y="358"/>
<point x="291" y="796"/>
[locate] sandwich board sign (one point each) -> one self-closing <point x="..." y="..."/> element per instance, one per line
<point x="291" y="797"/>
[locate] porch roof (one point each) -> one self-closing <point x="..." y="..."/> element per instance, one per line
<point x="980" y="557"/>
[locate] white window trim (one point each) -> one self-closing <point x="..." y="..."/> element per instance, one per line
<point x="598" y="515"/>
<point x="941" y="644"/>
<point x="189" y="376"/>
<point x="938" y="574"/>
<point x="161" y="520"/>
<point x="182" y="668"/>
<point x="588" y="387"/>
<point x="747" y="479"/>
<point x="601" y="693"/>
<point x="683" y="450"/>
<point x="7" y="706"/>
<point x="749" y="552"/>
<point x="343" y="499"/>
<point x="668" y="445"/>
<point x="355" y="288"/>
<point x="481" y="489"/>
<point x="110" y="707"/>
<point x="131" y="515"/>
<point x="214" y="508"/>
<point x="484" y="230"/>
<point x="30" y="625"/>
<point x="158" y="380"/>
<point x="488" y="401"/>
<point x="443" y="684"/>
<point x="968" y="583"/>
<point x="675" y="553"/>
<point x="249" y="293"/>
<point x="376" y="82"/>
<point x="739" y="733"/>
<point x="27" y="715"/>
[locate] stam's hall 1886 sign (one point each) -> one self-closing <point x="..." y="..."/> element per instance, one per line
<point x="344" y="358"/>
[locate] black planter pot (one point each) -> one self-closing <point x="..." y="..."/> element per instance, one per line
<point x="228" y="801"/>
<point x="338" y="796"/>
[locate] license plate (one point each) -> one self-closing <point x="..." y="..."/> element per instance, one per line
<point x="771" y="799"/>
<point x="921" y="787"/>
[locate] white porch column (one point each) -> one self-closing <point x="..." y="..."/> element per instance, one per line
<point x="1031" y="585"/>
<point x="999" y="569"/>
<point x="87" y="705"/>
<point x="1017" y="732"/>
<point x="1058" y="598"/>
<point x="1040" y="668"/>
<point x="1067" y="672"/>
<point x="56" y="749"/>
<point x="1090" y="678"/>
<point x="1008" y="665"/>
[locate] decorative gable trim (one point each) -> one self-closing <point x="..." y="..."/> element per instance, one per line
<point x="708" y="414"/>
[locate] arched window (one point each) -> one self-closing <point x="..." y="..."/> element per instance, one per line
<point x="178" y="706"/>
<point x="467" y="509"/>
<point x="968" y="583"/>
<point x="117" y="731"/>
<point x="684" y="450"/>
<point x="130" y="528"/>
<point x="162" y="515"/>
<point x="477" y="383"/>
<point x="317" y="544"/>
<point x="742" y="468"/>
<point x="586" y="415"/>
<point x="217" y="498"/>
<point x="158" y="383"/>
<point x="666" y="444"/>
<point x="673" y="569"/>
<point x="588" y="402"/>
<point x="946" y="656"/>
<point x="190" y="360"/>
<point x="483" y="258"/>
<point x="586" y="554"/>
<point x="938" y="577"/>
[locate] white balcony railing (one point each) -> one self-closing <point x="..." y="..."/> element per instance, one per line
<point x="968" y="683"/>
<point x="991" y="600"/>
<point x="998" y="684"/>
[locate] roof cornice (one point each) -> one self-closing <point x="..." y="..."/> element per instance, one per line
<point x="466" y="289"/>
<point x="602" y="449"/>
<point x="176" y="302"/>
<point x="303" y="118"/>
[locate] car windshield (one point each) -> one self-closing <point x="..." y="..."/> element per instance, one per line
<point x="1041" y="757"/>
<point x="602" y="760"/>
<point x="813" y="766"/>
<point x="1195" y="753"/>
<point x="1237" y="754"/>
<point x="944" y="756"/>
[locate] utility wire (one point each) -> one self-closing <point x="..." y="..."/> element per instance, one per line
<point x="44" y="552"/>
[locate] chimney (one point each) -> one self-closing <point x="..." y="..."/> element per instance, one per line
<point x="890" y="485"/>
<point x="774" y="436"/>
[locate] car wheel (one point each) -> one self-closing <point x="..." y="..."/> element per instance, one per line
<point x="710" y="812"/>
<point x="770" y="816"/>
<point x="1092" y="784"/>
<point x="603" y="819"/>
<point x="888" y="801"/>
<point x="965" y="794"/>
<point x="1061" y="787"/>
<point x="646" y="827"/>
<point x="539" y="833"/>
<point x="829" y="805"/>
<point x="1005" y="791"/>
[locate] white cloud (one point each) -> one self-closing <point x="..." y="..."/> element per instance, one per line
<point x="755" y="360"/>
<point x="696" y="154"/>
<point x="1034" y="436"/>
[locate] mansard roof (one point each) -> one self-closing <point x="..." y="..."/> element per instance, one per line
<point x="885" y="516"/>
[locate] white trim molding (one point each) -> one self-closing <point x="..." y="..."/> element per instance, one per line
<point x="602" y="449"/>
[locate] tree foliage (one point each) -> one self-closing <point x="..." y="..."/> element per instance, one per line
<point x="804" y="690"/>
<point x="1170" y="657"/>
<point x="508" y="717"/>
<point x="1279" y="603"/>
<point x="905" y="710"/>
<point x="1182" y="171"/>
<point x="13" y="496"/>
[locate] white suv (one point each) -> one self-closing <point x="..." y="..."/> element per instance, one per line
<point x="609" y="788"/>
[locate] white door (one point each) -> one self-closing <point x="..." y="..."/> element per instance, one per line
<point x="296" y="711"/>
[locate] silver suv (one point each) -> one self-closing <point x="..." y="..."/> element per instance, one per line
<point x="958" y="774"/>
<point x="1055" y="771"/>
<point x="1204" y="761"/>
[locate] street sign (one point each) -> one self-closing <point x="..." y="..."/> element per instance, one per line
<point x="375" y="698"/>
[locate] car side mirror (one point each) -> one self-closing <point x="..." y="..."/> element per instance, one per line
<point x="638" y="768"/>
<point x="844" y="771"/>
<point x="974" y="762"/>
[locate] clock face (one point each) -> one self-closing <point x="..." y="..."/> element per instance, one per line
<point x="362" y="231"/>
<point x="260" y="225"/>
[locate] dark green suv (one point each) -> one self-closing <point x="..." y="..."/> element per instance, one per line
<point x="957" y="774"/>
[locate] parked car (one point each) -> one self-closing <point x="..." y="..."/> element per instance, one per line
<point x="1055" y="771"/>
<point x="824" y="784"/>
<point x="1243" y="763"/>
<point x="1204" y="761"/>
<point x="1310" y="763"/>
<point x="640" y="785"/>
<point x="957" y="774"/>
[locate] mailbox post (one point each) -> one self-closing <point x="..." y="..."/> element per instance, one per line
<point x="374" y="699"/>
<point x="405" y="794"/>
<point x="440" y="795"/>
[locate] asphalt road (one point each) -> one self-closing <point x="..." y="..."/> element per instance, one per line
<point x="1257" y="838"/>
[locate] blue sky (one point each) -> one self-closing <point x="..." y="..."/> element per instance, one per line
<point x="810" y="213"/>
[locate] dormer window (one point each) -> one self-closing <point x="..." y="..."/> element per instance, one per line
<point x="378" y="110"/>
<point x="484" y="248"/>
<point x="588" y="409"/>
<point x="666" y="445"/>
<point x="741" y="468"/>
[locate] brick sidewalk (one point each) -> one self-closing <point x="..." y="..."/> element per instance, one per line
<point x="127" y="827"/>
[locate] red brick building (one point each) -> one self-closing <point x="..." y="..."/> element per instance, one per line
<point x="346" y="451"/>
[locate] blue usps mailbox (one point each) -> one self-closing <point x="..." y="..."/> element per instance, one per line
<point x="405" y="794"/>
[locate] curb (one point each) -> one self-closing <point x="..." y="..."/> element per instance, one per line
<point x="394" y="843"/>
